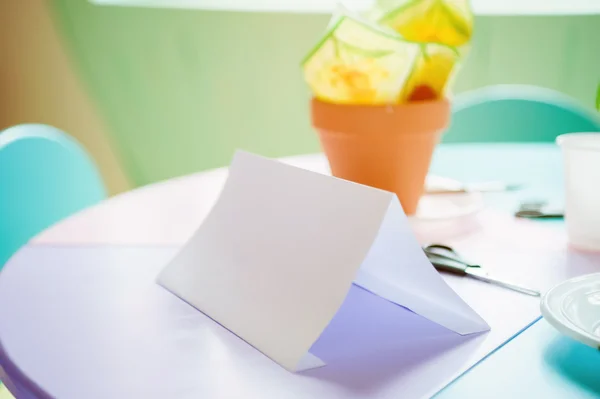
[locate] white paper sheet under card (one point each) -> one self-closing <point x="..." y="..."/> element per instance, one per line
<point x="277" y="256"/>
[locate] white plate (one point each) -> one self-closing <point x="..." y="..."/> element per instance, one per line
<point x="573" y="308"/>
<point x="447" y="206"/>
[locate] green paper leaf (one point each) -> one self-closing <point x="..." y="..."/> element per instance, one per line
<point x="361" y="51"/>
<point x="598" y="98"/>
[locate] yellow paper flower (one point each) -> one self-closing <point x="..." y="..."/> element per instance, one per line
<point x="354" y="83"/>
<point x="433" y="73"/>
<point x="356" y="63"/>
<point x="448" y="22"/>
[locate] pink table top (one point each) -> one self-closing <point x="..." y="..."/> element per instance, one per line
<point x="165" y="213"/>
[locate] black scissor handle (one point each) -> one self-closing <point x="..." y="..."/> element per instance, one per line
<point x="442" y="251"/>
<point x="444" y="258"/>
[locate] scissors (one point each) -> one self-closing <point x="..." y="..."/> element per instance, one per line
<point x="538" y="210"/>
<point x="445" y="259"/>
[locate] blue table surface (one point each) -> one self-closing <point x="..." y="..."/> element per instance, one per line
<point x="537" y="166"/>
<point x="539" y="362"/>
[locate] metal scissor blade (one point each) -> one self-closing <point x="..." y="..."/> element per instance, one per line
<point x="492" y="280"/>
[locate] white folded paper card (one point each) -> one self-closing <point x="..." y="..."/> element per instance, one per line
<point x="282" y="248"/>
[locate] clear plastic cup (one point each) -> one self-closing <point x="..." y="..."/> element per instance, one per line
<point x="581" y="154"/>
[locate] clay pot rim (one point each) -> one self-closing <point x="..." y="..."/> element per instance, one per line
<point x="423" y="117"/>
<point x="442" y="101"/>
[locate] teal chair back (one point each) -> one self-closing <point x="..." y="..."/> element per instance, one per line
<point x="517" y="113"/>
<point x="45" y="176"/>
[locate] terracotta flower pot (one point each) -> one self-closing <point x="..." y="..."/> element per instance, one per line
<point x="388" y="147"/>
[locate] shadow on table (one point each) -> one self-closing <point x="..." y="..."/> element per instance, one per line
<point x="369" y="345"/>
<point x="578" y="363"/>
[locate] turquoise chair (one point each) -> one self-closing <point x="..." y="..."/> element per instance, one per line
<point x="517" y="113"/>
<point x="45" y="176"/>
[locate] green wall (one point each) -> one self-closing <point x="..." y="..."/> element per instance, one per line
<point x="181" y="89"/>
